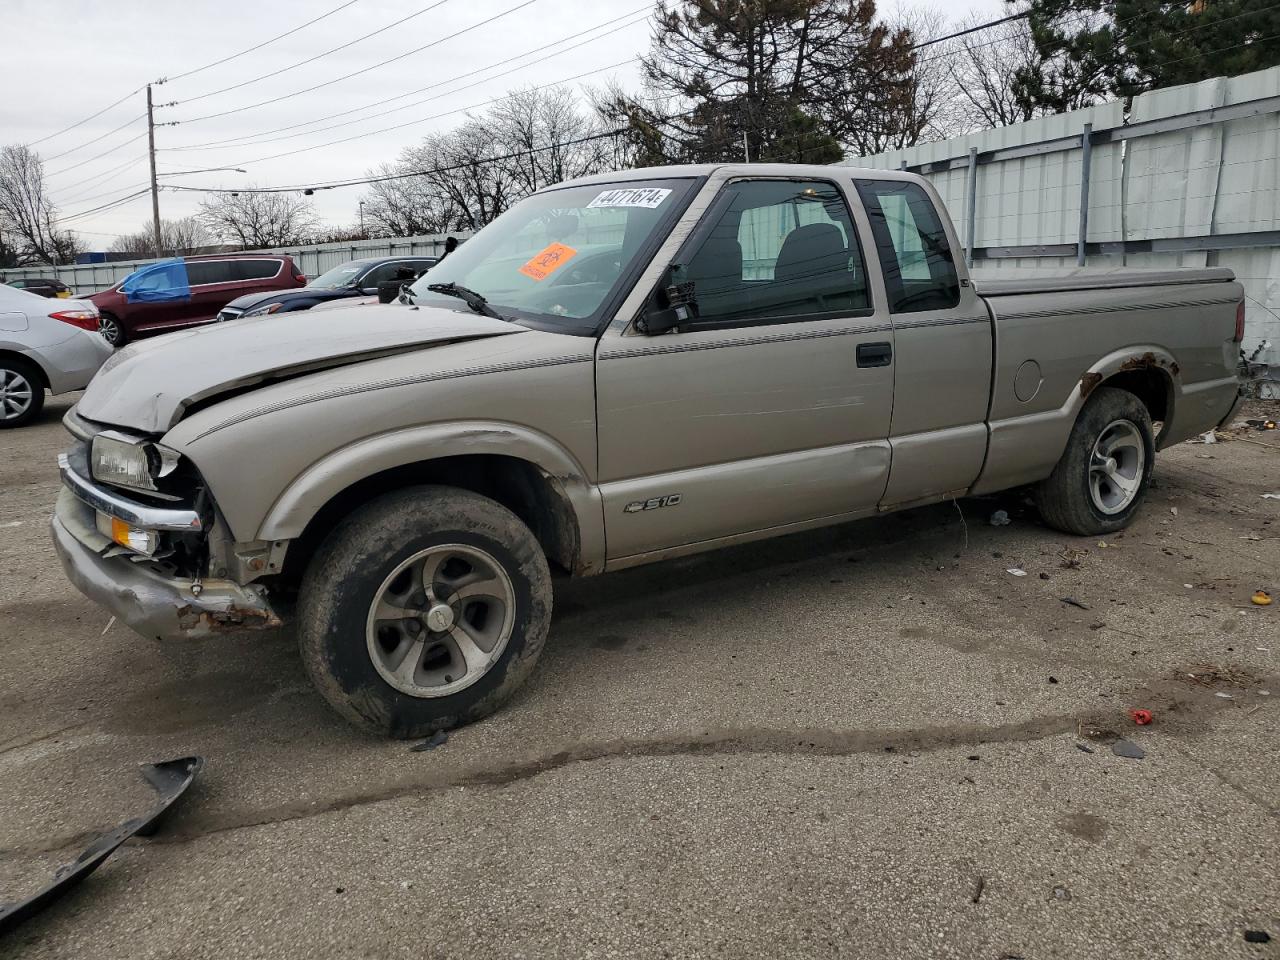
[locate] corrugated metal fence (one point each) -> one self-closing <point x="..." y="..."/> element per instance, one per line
<point x="1188" y="176"/>
<point x="312" y="260"/>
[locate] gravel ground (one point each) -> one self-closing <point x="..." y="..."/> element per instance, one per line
<point x="871" y="741"/>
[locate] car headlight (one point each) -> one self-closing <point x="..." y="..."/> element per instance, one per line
<point x="262" y="310"/>
<point x="123" y="463"/>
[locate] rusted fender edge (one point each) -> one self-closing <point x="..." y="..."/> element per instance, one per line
<point x="169" y="778"/>
<point x="1132" y="358"/>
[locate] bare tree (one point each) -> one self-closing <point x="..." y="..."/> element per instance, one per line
<point x="985" y="67"/>
<point x="178" y="238"/>
<point x="926" y="110"/>
<point x="256" y="220"/>
<point x="551" y="130"/>
<point x="28" y="215"/>
<point x="463" y="179"/>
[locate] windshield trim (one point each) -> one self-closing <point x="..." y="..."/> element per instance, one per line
<point x="596" y="323"/>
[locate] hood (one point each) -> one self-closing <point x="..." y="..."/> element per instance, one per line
<point x="149" y="385"/>
<point x="251" y="300"/>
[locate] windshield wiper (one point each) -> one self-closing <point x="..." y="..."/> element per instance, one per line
<point x="473" y="300"/>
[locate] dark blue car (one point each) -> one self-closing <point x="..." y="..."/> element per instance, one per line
<point x="355" y="278"/>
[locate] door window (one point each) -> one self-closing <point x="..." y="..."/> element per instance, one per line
<point x="778" y="250"/>
<point x="919" y="269"/>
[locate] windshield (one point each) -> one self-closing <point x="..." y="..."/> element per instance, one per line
<point x="555" y="259"/>
<point x="340" y="276"/>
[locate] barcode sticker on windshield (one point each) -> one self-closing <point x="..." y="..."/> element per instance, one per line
<point x="648" y="197"/>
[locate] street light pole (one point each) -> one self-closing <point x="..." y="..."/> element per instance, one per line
<point x="155" y="186"/>
<point x="363" y="235"/>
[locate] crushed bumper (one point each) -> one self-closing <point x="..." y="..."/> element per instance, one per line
<point x="142" y="596"/>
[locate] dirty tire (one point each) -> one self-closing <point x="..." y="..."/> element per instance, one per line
<point x="348" y="573"/>
<point x="21" y="392"/>
<point x="1065" y="499"/>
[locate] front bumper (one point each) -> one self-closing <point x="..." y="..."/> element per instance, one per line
<point x="140" y="593"/>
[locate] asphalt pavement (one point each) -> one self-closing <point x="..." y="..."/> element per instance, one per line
<point x="872" y="741"/>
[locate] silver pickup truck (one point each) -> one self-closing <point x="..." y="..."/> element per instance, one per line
<point x="618" y="370"/>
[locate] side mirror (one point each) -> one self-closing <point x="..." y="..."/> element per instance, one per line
<point x="671" y="306"/>
<point x="387" y="290"/>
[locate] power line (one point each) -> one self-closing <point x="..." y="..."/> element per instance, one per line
<point x="356" y="73"/>
<point x="313" y="59"/>
<point x="413" y="173"/>
<point x="92" y="116"/>
<point x="232" y="141"/>
<point x="99" y="156"/>
<point x="981" y="26"/>
<point x="259" y="46"/>
<point x="138" y="159"/>
<point x="56" y="156"/>
<point x="437" y="96"/>
<point x="410" y="123"/>
<point x="106" y="206"/>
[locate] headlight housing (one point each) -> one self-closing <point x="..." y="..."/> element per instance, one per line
<point x="262" y="310"/>
<point x="122" y="462"/>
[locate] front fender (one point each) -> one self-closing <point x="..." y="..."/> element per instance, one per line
<point x="337" y="471"/>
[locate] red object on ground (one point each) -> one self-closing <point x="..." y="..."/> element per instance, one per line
<point x="1141" y="717"/>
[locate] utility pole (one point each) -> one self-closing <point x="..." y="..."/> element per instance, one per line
<point x="746" y="149"/>
<point x="155" y="187"/>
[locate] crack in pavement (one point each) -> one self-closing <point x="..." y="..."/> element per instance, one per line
<point x="712" y="742"/>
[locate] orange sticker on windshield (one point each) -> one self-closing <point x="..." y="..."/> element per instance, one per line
<point x="548" y="260"/>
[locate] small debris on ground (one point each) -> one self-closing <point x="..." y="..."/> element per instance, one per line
<point x="1271" y="496"/>
<point x="1073" y="602"/>
<point x="1208" y="437"/>
<point x="1128" y="749"/>
<point x="1141" y="717"/>
<point x="1174" y="511"/>
<point x="1261" y="598"/>
<point x="1000" y="519"/>
<point x="1257" y="936"/>
<point x="1061" y="893"/>
<point x="1071" y="558"/>
<point x="110" y="624"/>
<point x="435" y="740"/>
<point x="1083" y="748"/>
<point x="978" y="885"/>
<point x="1223" y="696"/>
<point x="1017" y="571"/>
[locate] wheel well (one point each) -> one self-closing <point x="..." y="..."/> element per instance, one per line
<point x="26" y="361"/>
<point x="1150" y="385"/>
<point x="522" y="487"/>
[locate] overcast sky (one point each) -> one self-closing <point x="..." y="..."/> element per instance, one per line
<point x="78" y="56"/>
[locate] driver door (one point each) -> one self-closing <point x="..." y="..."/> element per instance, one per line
<point x="772" y="409"/>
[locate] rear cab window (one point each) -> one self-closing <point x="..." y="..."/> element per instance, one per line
<point x="915" y="254"/>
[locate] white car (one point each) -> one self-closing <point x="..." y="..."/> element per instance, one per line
<point x="45" y="344"/>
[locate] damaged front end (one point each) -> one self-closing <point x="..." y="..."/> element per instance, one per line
<point x="146" y="542"/>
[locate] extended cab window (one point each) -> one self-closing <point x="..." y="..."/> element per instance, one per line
<point x="208" y="271"/>
<point x="253" y="269"/>
<point x="777" y="249"/>
<point x="919" y="270"/>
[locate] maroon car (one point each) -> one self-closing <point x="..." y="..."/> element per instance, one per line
<point x="187" y="291"/>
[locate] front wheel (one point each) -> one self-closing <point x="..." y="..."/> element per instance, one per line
<point x="424" y="610"/>
<point x="1100" y="481"/>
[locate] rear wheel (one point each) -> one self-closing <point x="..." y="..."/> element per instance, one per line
<point x="111" y="330"/>
<point x="21" y="393"/>
<point x="424" y="610"/>
<point x="1102" y="477"/>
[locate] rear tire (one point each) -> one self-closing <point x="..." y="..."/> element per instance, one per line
<point x="111" y="331"/>
<point x="21" y="393"/>
<point x="424" y="610"/>
<point x="1102" y="478"/>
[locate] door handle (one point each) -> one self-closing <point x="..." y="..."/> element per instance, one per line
<point x="875" y="354"/>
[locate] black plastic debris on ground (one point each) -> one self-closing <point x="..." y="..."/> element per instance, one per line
<point x="1128" y="749"/>
<point x="435" y="740"/>
<point x="1257" y="936"/>
<point x="170" y="778"/>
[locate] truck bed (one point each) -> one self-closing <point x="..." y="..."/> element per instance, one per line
<point x="1004" y="283"/>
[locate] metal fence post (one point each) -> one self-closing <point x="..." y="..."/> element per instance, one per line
<point x="1086" y="155"/>
<point x="971" y="206"/>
